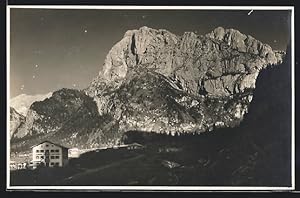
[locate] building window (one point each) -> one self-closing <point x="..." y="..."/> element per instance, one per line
<point x="37" y="157"/>
<point x="37" y="151"/>
<point x="56" y="157"/>
<point x="47" y="145"/>
<point x="42" y="151"/>
<point x="51" y="150"/>
<point x="52" y="163"/>
<point x="56" y="150"/>
<point x="56" y="164"/>
<point x="52" y="157"/>
<point x="42" y="157"/>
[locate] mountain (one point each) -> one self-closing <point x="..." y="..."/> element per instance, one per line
<point x="68" y="116"/>
<point x="255" y="153"/>
<point x="155" y="81"/>
<point x="21" y="103"/>
<point x="16" y="120"/>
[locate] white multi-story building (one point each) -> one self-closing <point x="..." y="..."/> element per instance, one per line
<point x="50" y="154"/>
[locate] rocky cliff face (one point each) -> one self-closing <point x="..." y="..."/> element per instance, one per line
<point x="155" y="81"/>
<point x="15" y="121"/>
<point x="221" y="63"/>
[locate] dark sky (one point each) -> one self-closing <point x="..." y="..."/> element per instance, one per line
<point x="51" y="49"/>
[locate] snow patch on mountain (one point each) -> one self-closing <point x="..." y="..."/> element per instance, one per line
<point x="22" y="103"/>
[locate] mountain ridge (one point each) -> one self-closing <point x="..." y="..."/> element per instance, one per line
<point x="153" y="80"/>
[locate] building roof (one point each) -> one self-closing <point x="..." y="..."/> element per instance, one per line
<point x="135" y="144"/>
<point x="50" y="143"/>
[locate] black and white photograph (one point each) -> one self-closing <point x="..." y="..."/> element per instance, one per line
<point x="150" y="98"/>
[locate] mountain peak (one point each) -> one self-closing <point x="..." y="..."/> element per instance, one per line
<point x="221" y="65"/>
<point x="155" y="81"/>
<point x="245" y="43"/>
<point x="165" y="53"/>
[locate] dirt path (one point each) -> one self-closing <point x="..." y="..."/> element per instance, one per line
<point x="94" y="170"/>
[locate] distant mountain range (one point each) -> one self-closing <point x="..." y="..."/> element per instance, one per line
<point x="22" y="103"/>
<point x="153" y="81"/>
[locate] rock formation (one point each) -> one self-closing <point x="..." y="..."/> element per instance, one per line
<point x="16" y="120"/>
<point x="155" y="81"/>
